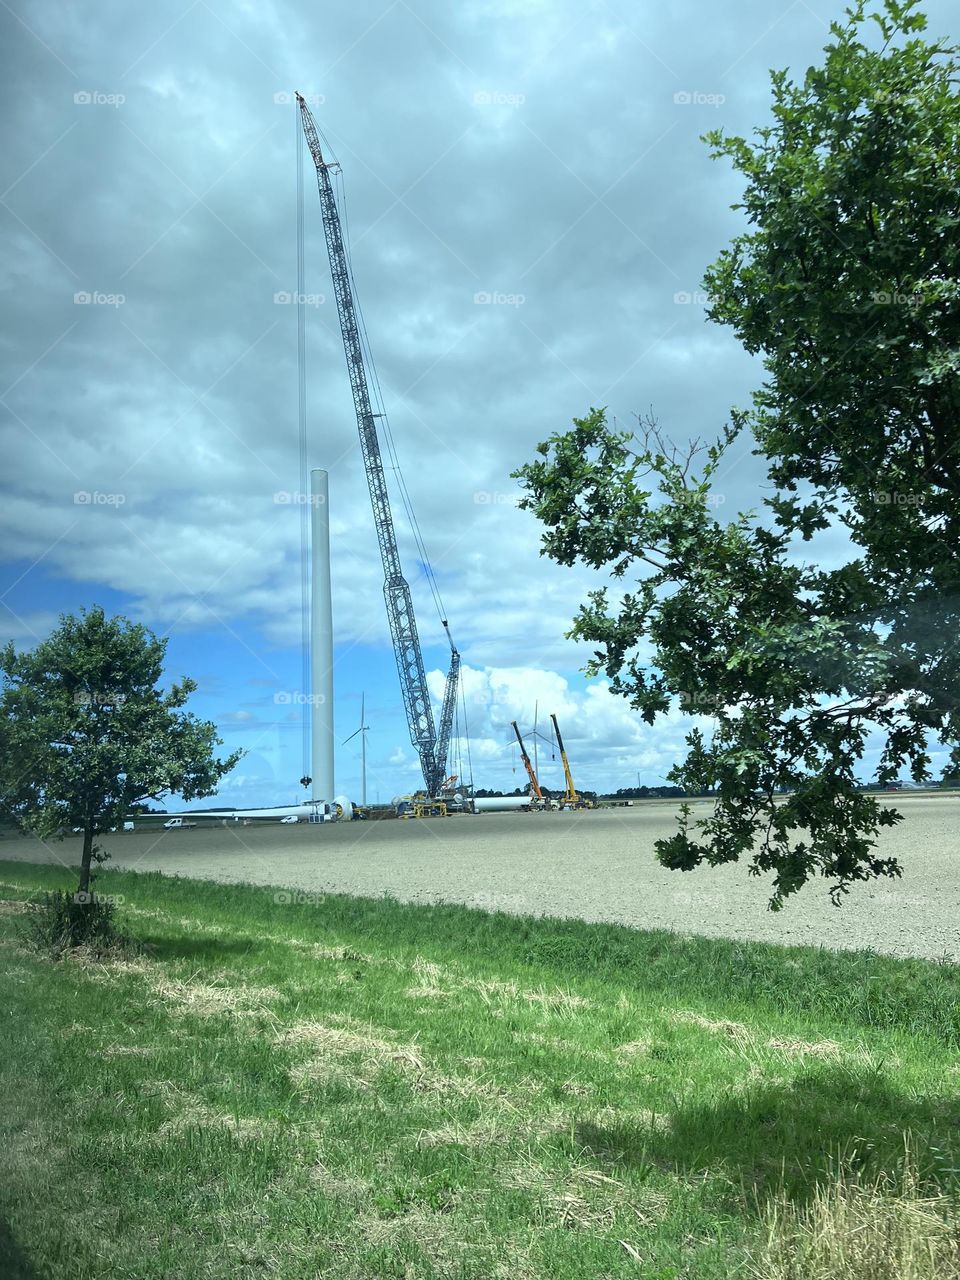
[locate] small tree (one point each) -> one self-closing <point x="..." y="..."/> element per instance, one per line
<point x="85" y="733"/>
<point x="848" y="283"/>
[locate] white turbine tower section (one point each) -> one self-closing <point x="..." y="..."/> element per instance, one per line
<point x="321" y="641"/>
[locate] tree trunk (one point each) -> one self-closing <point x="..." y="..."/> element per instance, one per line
<point x="86" y="857"/>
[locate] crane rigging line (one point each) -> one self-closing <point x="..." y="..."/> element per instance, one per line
<point x="406" y="501"/>
<point x="466" y="735"/>
<point x="304" y="474"/>
<point x="340" y="194"/>
<point x="457" y="739"/>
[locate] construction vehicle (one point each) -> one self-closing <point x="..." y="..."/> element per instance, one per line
<point x="571" y="799"/>
<point x="444" y="804"/>
<point x="420" y="805"/>
<point x="537" y="799"/>
<point x="430" y="742"/>
<point x="430" y="809"/>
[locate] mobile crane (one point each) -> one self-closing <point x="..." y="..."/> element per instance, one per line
<point x="536" y="795"/>
<point x="570" y="800"/>
<point x="430" y="742"/>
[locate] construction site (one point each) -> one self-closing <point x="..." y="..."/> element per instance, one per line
<point x="444" y="792"/>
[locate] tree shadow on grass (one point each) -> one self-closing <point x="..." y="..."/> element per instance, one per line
<point x="163" y="947"/>
<point x="14" y="1264"/>
<point x="790" y="1134"/>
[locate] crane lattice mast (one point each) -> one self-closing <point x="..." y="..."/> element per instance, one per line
<point x="430" y="744"/>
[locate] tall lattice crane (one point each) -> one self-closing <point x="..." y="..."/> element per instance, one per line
<point x="431" y="743"/>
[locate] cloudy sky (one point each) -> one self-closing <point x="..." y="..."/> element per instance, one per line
<point x="530" y="210"/>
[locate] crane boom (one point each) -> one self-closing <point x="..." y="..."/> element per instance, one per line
<point x="431" y="747"/>
<point x="531" y="772"/>
<point x="571" y="797"/>
<point x="447" y="709"/>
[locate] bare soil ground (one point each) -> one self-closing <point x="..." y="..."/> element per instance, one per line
<point x="598" y="866"/>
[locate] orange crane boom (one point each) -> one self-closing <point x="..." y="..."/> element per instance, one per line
<point x="534" y="784"/>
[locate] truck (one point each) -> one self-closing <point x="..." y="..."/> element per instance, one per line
<point x="178" y="824"/>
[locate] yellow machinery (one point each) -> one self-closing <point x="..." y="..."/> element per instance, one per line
<point x="429" y="809"/>
<point x="571" y="800"/>
<point x="421" y="806"/>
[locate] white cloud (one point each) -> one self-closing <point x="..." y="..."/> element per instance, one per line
<point x="596" y="205"/>
<point x="606" y="740"/>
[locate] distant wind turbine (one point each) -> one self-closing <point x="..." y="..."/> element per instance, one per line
<point x="364" y="727"/>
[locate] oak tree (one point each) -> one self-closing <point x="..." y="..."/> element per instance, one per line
<point x="847" y="283"/>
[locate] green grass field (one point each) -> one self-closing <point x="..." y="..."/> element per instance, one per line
<point x="281" y="1086"/>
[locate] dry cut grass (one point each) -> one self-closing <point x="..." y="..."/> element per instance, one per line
<point x="852" y="1230"/>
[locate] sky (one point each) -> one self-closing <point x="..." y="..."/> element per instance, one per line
<point x="530" y="209"/>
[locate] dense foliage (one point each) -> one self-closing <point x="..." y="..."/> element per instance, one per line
<point x="86" y="733"/>
<point x="847" y="282"/>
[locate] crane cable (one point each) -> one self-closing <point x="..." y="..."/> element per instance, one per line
<point x="405" y="499"/>
<point x="304" y="474"/>
<point x="341" y="198"/>
<point x="466" y="736"/>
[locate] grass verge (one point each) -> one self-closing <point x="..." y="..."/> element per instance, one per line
<point x="285" y="1085"/>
